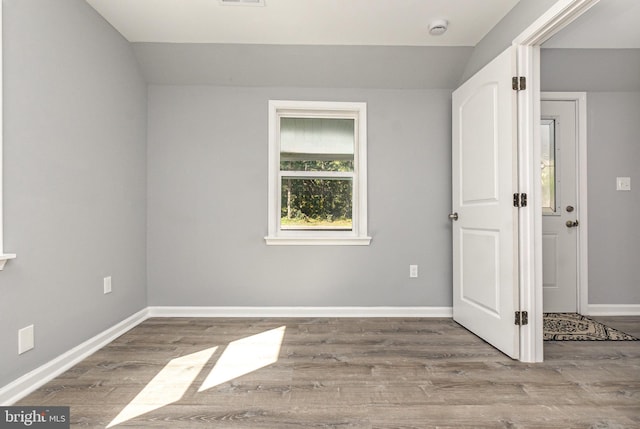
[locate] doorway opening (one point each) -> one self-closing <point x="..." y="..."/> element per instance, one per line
<point x="528" y="44"/>
<point x="564" y="202"/>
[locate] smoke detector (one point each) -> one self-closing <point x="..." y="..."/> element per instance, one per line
<point x="438" y="27"/>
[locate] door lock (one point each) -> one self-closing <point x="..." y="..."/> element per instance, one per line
<point x="571" y="223"/>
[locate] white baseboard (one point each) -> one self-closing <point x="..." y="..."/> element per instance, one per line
<point x="300" y="311"/>
<point x="613" y="310"/>
<point x="29" y="382"/>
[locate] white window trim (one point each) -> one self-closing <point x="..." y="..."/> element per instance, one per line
<point x="4" y="257"/>
<point x="358" y="235"/>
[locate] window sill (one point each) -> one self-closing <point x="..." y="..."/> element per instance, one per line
<point x="317" y="241"/>
<point x="4" y="258"/>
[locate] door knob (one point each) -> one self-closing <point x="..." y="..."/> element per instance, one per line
<point x="453" y="216"/>
<point x="571" y="223"/>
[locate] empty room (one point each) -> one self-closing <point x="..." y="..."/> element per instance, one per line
<point x="320" y="213"/>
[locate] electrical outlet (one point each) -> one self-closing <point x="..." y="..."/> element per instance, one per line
<point x="413" y="271"/>
<point x="107" y="285"/>
<point x="26" y="339"/>
<point x="623" y="183"/>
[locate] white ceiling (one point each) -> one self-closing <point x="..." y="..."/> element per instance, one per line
<point x="304" y="22"/>
<point x="610" y="24"/>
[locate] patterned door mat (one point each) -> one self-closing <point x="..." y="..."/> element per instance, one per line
<point x="574" y="327"/>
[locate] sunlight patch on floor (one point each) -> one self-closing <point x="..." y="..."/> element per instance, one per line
<point x="168" y="386"/>
<point x="240" y="357"/>
<point x="244" y="356"/>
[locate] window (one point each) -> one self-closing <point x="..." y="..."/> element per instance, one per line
<point x="549" y="175"/>
<point x="317" y="173"/>
<point x="4" y="257"/>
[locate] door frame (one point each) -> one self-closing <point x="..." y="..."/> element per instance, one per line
<point x="580" y="100"/>
<point x="562" y="13"/>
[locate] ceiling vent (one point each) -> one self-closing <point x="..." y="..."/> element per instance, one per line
<point x="242" y="2"/>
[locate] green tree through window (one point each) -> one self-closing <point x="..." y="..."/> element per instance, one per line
<point x="316" y="202"/>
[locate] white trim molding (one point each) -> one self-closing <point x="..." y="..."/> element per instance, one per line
<point x="529" y="221"/>
<point x="613" y="310"/>
<point x="186" y="311"/>
<point x="318" y="241"/>
<point x="29" y="382"/>
<point x="557" y="17"/>
<point x="4" y="257"/>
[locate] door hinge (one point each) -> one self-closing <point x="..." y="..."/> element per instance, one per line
<point x="519" y="83"/>
<point x="522" y="318"/>
<point x="519" y="200"/>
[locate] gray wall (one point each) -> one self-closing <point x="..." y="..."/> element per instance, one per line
<point x="74" y="179"/>
<point x="500" y="37"/>
<point x="207" y="203"/>
<point x="613" y="149"/>
<point x="614" y="233"/>
<point x="590" y="69"/>
<point x="399" y="67"/>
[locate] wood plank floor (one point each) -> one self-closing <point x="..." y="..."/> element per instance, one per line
<point x="354" y="373"/>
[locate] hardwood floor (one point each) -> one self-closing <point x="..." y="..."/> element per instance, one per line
<point x="627" y="324"/>
<point x="348" y="373"/>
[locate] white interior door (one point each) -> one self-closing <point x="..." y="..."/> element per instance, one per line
<point x="485" y="277"/>
<point x="560" y="211"/>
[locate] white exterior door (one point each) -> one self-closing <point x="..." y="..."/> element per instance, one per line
<point x="485" y="248"/>
<point x="560" y="211"/>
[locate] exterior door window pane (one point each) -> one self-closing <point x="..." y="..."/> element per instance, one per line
<point x="548" y="165"/>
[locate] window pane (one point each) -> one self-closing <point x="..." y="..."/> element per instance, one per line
<point x="317" y="139"/>
<point x="316" y="165"/>
<point x="548" y="166"/>
<point x="315" y="203"/>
